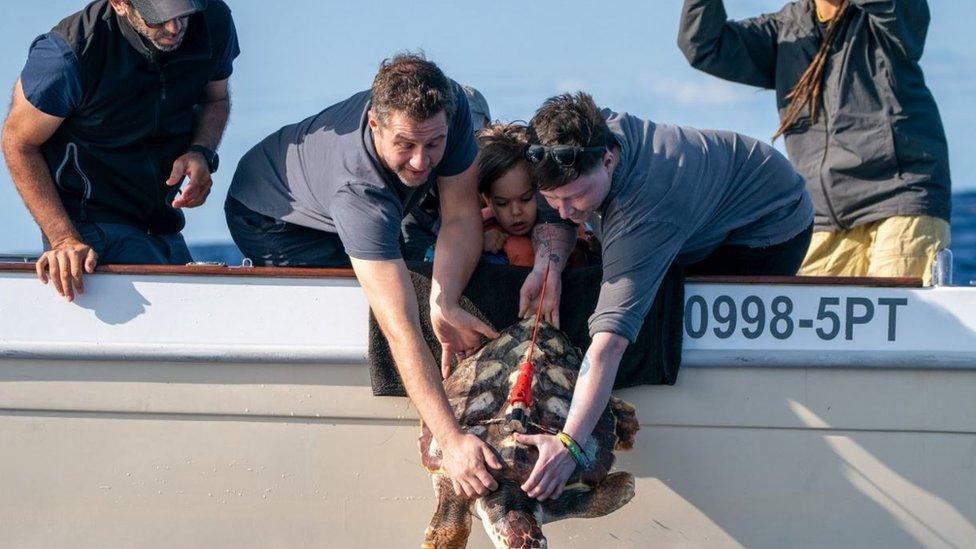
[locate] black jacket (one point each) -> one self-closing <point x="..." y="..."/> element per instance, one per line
<point x="110" y="158"/>
<point x="878" y="148"/>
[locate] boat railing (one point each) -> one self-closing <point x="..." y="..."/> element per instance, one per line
<point x="318" y="272"/>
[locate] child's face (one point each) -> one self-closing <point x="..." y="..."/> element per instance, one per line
<point x="512" y="201"/>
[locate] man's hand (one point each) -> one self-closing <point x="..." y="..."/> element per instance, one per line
<point x="390" y="294"/>
<point x="552" y="469"/>
<point x="194" y="166"/>
<point x="464" y="459"/>
<point x="494" y="240"/>
<point x="459" y="333"/>
<point x="211" y="119"/>
<point x="552" y="244"/>
<point x="590" y="396"/>
<point x="63" y="265"/>
<point x="530" y="293"/>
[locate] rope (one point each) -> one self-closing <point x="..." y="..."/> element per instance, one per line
<point x="522" y="391"/>
<point x="542" y="295"/>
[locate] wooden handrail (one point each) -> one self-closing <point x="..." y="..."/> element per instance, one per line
<point x="208" y="270"/>
<point x="314" y="272"/>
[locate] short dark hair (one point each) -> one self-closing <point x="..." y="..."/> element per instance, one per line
<point x="502" y="148"/>
<point x="569" y="119"/>
<point x="410" y="84"/>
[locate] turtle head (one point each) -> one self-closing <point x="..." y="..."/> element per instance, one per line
<point x="511" y="518"/>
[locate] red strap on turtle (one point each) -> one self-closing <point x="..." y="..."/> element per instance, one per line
<point x="522" y="390"/>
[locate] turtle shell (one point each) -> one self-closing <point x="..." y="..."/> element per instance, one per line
<point x="478" y="392"/>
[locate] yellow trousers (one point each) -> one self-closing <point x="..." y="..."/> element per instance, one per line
<point x="897" y="246"/>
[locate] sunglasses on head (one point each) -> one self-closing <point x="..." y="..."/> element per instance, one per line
<point x="564" y="155"/>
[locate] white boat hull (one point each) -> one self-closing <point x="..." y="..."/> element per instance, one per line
<point x="252" y="424"/>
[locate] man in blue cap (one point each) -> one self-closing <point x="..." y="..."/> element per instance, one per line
<point x="115" y="107"/>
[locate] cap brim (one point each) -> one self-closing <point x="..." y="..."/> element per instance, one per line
<point x="157" y="12"/>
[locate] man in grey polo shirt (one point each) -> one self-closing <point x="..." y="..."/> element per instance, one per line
<point x="420" y="225"/>
<point x="716" y="202"/>
<point x="332" y="190"/>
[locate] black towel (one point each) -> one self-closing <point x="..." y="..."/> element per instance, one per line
<point x="492" y="295"/>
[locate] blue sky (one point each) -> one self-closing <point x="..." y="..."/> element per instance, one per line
<point x="300" y="56"/>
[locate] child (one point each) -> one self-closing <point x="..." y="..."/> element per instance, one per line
<point x="505" y="185"/>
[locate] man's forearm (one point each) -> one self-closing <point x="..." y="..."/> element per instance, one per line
<point x="394" y="303"/>
<point x="458" y="250"/>
<point x="211" y="122"/>
<point x="422" y="380"/>
<point x="32" y="178"/>
<point x="552" y="243"/>
<point x="594" y="383"/>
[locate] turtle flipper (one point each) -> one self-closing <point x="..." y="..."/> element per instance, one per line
<point x="627" y="424"/>
<point x="451" y="524"/>
<point x="604" y="498"/>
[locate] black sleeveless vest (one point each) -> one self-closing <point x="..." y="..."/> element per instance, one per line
<point x="111" y="157"/>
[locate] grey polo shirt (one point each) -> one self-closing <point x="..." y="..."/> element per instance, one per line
<point x="324" y="173"/>
<point x="678" y="193"/>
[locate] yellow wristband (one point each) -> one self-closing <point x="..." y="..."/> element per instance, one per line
<point x="575" y="450"/>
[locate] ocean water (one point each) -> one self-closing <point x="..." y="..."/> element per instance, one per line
<point x="964" y="238"/>
<point x="963" y="242"/>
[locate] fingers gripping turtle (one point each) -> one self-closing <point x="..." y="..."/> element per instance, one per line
<point x="479" y="392"/>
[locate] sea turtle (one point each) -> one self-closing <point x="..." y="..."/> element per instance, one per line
<point x="479" y="390"/>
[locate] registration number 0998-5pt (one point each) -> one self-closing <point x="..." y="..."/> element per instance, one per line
<point x="753" y="316"/>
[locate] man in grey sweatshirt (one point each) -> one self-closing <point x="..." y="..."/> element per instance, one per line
<point x="717" y="202"/>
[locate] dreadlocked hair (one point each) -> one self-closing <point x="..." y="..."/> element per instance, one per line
<point x="807" y="92"/>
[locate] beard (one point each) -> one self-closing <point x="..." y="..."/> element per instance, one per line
<point x="149" y="34"/>
<point x="411" y="179"/>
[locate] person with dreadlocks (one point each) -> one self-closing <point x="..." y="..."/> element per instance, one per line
<point x="857" y="118"/>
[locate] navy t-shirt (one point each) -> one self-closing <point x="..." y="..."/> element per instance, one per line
<point x="324" y="173"/>
<point x="51" y="78"/>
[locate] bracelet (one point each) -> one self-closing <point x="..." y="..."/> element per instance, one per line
<point x="575" y="450"/>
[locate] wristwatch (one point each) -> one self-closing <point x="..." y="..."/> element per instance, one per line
<point x="212" y="158"/>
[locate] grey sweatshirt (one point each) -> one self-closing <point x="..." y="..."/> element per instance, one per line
<point x="677" y="194"/>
